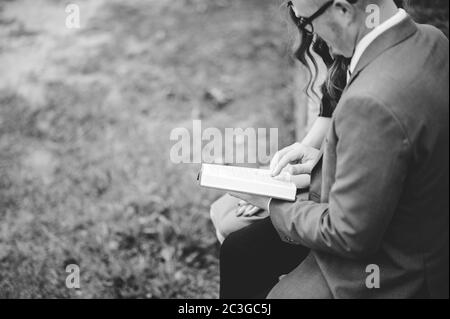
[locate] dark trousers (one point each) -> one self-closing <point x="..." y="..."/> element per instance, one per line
<point x="253" y="259"/>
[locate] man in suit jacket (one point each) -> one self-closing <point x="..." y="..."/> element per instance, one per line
<point x="382" y="209"/>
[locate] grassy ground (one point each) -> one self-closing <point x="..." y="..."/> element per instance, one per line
<point x="85" y="118"/>
<point x="84" y="137"/>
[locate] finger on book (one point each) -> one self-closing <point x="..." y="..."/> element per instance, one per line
<point x="284" y="161"/>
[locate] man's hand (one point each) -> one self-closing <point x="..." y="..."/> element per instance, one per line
<point x="302" y="181"/>
<point x="299" y="157"/>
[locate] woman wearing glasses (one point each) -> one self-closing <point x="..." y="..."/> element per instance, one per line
<point x="244" y="251"/>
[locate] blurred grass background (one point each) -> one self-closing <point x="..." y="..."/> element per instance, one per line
<point x="85" y="119"/>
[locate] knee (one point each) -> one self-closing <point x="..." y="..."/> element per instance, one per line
<point x="213" y="214"/>
<point x="216" y="219"/>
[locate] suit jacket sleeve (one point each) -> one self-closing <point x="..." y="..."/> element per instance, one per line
<point x="371" y="165"/>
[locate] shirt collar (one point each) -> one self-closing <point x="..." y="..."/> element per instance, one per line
<point x="375" y="33"/>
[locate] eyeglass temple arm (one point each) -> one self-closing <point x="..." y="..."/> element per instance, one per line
<point x="318" y="13"/>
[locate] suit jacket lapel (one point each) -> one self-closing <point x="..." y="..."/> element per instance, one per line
<point x="384" y="42"/>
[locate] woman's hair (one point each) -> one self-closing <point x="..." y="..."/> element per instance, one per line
<point x="401" y="3"/>
<point x="337" y="66"/>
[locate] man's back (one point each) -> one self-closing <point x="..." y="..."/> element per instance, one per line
<point x="408" y="83"/>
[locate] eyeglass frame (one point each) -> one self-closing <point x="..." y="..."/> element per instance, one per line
<point x="304" y="22"/>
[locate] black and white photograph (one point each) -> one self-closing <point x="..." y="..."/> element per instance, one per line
<point x="224" y="154"/>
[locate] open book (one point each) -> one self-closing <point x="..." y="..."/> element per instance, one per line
<point x="247" y="180"/>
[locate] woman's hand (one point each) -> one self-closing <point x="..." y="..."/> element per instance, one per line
<point x="296" y="159"/>
<point x="260" y="202"/>
<point x="246" y="210"/>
